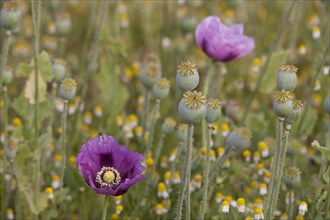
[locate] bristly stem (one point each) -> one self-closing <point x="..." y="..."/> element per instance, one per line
<point x="185" y="170"/>
<point x="206" y="172"/>
<point x="36" y="13"/>
<point x="105" y="207"/>
<point x="152" y="126"/>
<point x="63" y="143"/>
<point x="275" y="166"/>
<point x="189" y="161"/>
<point x="291" y="203"/>
<point x="157" y="154"/>
<point x="272" y="48"/>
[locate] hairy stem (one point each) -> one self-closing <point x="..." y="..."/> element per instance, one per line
<point x="206" y="173"/>
<point x="188" y="177"/>
<point x="291" y="203"/>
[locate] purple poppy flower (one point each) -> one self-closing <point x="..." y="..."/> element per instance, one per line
<point x="107" y="167"/>
<point x="220" y="42"/>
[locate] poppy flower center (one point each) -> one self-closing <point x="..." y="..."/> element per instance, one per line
<point x="108" y="177"/>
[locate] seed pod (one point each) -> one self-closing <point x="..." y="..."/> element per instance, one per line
<point x="213" y="111"/>
<point x="286" y="78"/>
<point x="292" y="177"/>
<point x="10" y="15"/>
<point x="161" y="88"/>
<point x="63" y="24"/>
<point x="150" y="75"/>
<point x="326" y="104"/>
<point x="181" y="132"/>
<point x="168" y="126"/>
<point x="294" y="113"/>
<point x="187" y="77"/>
<point x="67" y="89"/>
<point x="58" y="70"/>
<point x="282" y="104"/>
<point x="192" y="108"/>
<point x="7" y="76"/>
<point x="239" y="139"/>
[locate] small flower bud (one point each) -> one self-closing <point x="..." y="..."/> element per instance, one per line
<point x="192" y="108"/>
<point x="187" y="77"/>
<point x="10" y="15"/>
<point x="239" y="139"/>
<point x="161" y="88"/>
<point x="58" y="70"/>
<point x="294" y="113"/>
<point x="67" y="88"/>
<point x="287" y="78"/>
<point x="150" y="75"/>
<point x="213" y="111"/>
<point x="63" y="24"/>
<point x="282" y="104"/>
<point x="326" y="104"/>
<point x="292" y="177"/>
<point x="168" y="126"/>
<point x="7" y="76"/>
<point x="181" y="132"/>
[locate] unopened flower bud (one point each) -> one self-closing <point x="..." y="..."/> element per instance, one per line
<point x="239" y="139"/>
<point x="7" y="76"/>
<point x="187" y="77"/>
<point x="282" y="104"/>
<point x="63" y="24"/>
<point x="58" y="70"/>
<point x="326" y="104"/>
<point x="292" y="177"/>
<point x="286" y="78"/>
<point x="192" y="108"/>
<point x="161" y="88"/>
<point x="181" y="132"/>
<point x="294" y="113"/>
<point x="68" y="88"/>
<point x="168" y="126"/>
<point x="213" y="111"/>
<point x="10" y="15"/>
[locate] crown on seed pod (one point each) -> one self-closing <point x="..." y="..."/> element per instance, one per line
<point x="187" y="77"/>
<point x="192" y="108"/>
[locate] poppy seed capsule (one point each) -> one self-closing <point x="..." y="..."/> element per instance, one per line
<point x="10" y="15"/>
<point x="192" y="108"/>
<point x="7" y="76"/>
<point x="239" y="139"/>
<point x="213" y="110"/>
<point x="187" y="77"/>
<point x="168" y="126"/>
<point x="63" y="24"/>
<point x="326" y="104"/>
<point x="181" y="132"/>
<point x="282" y="104"/>
<point x="286" y="78"/>
<point x="292" y="177"/>
<point x="58" y="70"/>
<point x="67" y="88"/>
<point x="161" y="88"/>
<point x="294" y="113"/>
<point x="150" y="75"/>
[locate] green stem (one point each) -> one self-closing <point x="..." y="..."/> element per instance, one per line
<point x="152" y="127"/>
<point x="63" y="143"/>
<point x="272" y="48"/>
<point x="36" y="13"/>
<point x="217" y="166"/>
<point x="105" y="208"/>
<point x="157" y="154"/>
<point x="291" y="202"/>
<point x="145" y="111"/>
<point x="177" y="156"/>
<point x="188" y="175"/>
<point x="4" y="52"/>
<point x="184" y="181"/>
<point x="206" y="172"/>
<point x="279" y="174"/>
<point x="275" y="166"/>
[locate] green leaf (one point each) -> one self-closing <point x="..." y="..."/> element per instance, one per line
<point x="29" y="90"/>
<point x="324" y="151"/>
<point x="269" y="81"/>
<point x="45" y="66"/>
<point x="23" y="70"/>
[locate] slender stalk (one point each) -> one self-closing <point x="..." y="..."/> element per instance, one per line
<point x="4" y="52"/>
<point x="273" y="200"/>
<point x="291" y="202"/>
<point x="184" y="182"/>
<point x="177" y="156"/>
<point x="217" y="166"/>
<point x="63" y="142"/>
<point x="36" y="13"/>
<point x="152" y="127"/>
<point x="275" y="165"/>
<point x="145" y="111"/>
<point x="188" y="177"/>
<point x="105" y="208"/>
<point x="157" y="154"/>
<point x="272" y="48"/>
<point x="206" y="172"/>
